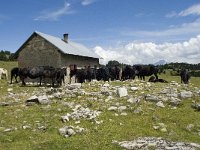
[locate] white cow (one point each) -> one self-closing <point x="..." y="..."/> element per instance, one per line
<point x="3" y="72"/>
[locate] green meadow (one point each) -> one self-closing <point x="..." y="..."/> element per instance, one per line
<point x="37" y="126"/>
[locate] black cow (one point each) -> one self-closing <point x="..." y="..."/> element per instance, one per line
<point x="142" y="71"/>
<point x="14" y="73"/>
<point x="185" y="76"/>
<point x="153" y="79"/>
<point x="40" y="72"/>
<point x="84" y="74"/>
<point x="114" y="73"/>
<point x="128" y="72"/>
<point x="103" y="74"/>
<point x="60" y="75"/>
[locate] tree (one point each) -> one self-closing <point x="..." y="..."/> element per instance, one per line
<point x="112" y="63"/>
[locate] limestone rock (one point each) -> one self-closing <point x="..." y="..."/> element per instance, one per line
<point x="122" y="91"/>
<point x="186" y="94"/>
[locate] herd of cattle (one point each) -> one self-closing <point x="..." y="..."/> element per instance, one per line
<point x="57" y="75"/>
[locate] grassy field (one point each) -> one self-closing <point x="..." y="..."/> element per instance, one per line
<point x="43" y="122"/>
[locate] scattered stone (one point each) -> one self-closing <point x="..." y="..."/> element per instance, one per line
<point x="174" y="101"/>
<point x="26" y="127"/>
<point x="32" y="99"/>
<point x="133" y="100"/>
<point x="5" y="104"/>
<point x="123" y="114"/>
<point x="160" y="104"/>
<point x="68" y="131"/>
<point x="122" y="91"/>
<point x="74" y="86"/>
<point x="172" y="95"/>
<point x="146" y="143"/>
<point x="10" y="89"/>
<point x="173" y="83"/>
<point x="196" y="106"/>
<point x="106" y="85"/>
<point x="121" y="108"/>
<point x="43" y="100"/>
<point x="134" y="88"/>
<point x="105" y="91"/>
<point x="152" y="98"/>
<point x="186" y="94"/>
<point x="190" y="127"/>
<point x="112" y="108"/>
<point x="138" y="110"/>
<point x="80" y="112"/>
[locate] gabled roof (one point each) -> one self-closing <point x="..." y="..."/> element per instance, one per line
<point x="67" y="47"/>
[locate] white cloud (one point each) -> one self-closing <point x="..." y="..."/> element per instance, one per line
<point x="54" y="15"/>
<point x="171" y="14"/>
<point x="186" y="29"/>
<point x="146" y="53"/>
<point x="87" y="2"/>
<point x="193" y="10"/>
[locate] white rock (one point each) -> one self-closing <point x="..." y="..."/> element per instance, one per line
<point x="152" y="98"/>
<point x="160" y="104"/>
<point x="106" y="85"/>
<point x="112" y="108"/>
<point x="10" y="89"/>
<point x="121" y="108"/>
<point x="63" y="130"/>
<point x="123" y="114"/>
<point x="163" y="130"/>
<point x="74" y="86"/>
<point x="121" y="92"/>
<point x="65" y="118"/>
<point x="134" y="88"/>
<point x="186" y="94"/>
<point x="71" y="132"/>
<point x="133" y="100"/>
<point x="43" y="100"/>
<point x="33" y="98"/>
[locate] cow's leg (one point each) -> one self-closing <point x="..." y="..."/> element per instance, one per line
<point x="40" y="81"/>
<point x="11" y="79"/>
<point x="23" y="82"/>
<point x="156" y="75"/>
<point x="52" y="82"/>
<point x="143" y="78"/>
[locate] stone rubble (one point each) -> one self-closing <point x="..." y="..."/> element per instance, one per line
<point x="122" y="91"/>
<point x="158" y="143"/>
<point x="43" y="100"/>
<point x="134" y="94"/>
<point x="81" y="112"/>
<point x="68" y="131"/>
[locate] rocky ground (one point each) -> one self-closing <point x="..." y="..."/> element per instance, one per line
<point x="134" y="92"/>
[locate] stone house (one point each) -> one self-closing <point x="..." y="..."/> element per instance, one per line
<point x="45" y="50"/>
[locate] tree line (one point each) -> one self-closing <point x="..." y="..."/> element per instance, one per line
<point x="7" y="56"/>
<point x="174" y="68"/>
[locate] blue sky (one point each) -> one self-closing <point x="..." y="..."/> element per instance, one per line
<point x="130" y="31"/>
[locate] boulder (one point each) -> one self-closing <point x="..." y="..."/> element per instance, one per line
<point x="186" y="94"/>
<point x="160" y="104"/>
<point x="43" y="100"/>
<point x="122" y="91"/>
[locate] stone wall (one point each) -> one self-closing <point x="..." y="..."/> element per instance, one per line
<point x="80" y="61"/>
<point x="39" y="52"/>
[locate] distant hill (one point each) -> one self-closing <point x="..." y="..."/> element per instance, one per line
<point x="160" y="62"/>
